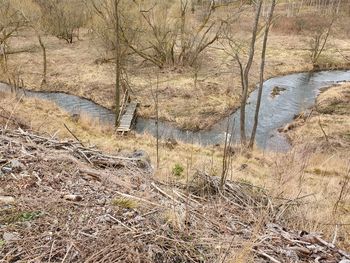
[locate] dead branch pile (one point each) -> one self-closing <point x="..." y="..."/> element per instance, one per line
<point x="63" y="202"/>
<point x="279" y="243"/>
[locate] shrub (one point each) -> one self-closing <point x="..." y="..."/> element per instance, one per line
<point x="63" y="18"/>
<point x="125" y="203"/>
<point x="177" y="170"/>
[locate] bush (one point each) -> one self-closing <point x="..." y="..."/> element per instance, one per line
<point x="63" y="18"/>
<point x="177" y="170"/>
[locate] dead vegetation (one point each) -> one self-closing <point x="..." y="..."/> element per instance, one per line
<point x="61" y="201"/>
<point x="303" y="189"/>
<point x="321" y="135"/>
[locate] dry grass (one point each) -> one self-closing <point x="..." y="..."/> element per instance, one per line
<point x="310" y="181"/>
<point x="45" y="117"/>
<point x="324" y="167"/>
<point x="310" y="176"/>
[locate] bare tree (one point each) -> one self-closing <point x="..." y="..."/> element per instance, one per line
<point x="262" y="68"/>
<point x="155" y="96"/>
<point x="154" y="40"/>
<point x="204" y="36"/>
<point x="43" y="48"/>
<point x="11" y="21"/>
<point x="227" y="155"/>
<point x="109" y="28"/>
<point x="183" y="11"/>
<point x="33" y="15"/>
<point x="244" y="71"/>
<point x="63" y="18"/>
<point x="320" y="38"/>
<point x="157" y="38"/>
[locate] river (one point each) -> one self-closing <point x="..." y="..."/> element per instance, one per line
<point x="298" y="93"/>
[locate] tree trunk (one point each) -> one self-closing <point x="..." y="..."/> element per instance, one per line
<point x="245" y="81"/>
<point x="262" y="67"/>
<point x="117" y="63"/>
<point x="43" y="82"/>
<point x="183" y="8"/>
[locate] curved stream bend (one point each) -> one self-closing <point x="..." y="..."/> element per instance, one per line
<point x="299" y="93"/>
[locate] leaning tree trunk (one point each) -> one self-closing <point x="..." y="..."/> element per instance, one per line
<point x="117" y="63"/>
<point x="245" y="81"/>
<point x="262" y="68"/>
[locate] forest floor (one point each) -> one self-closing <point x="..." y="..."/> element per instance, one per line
<point x="77" y="69"/>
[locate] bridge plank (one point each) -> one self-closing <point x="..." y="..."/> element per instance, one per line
<point x="127" y="118"/>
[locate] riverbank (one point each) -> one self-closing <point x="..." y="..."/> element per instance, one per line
<point x="322" y="135"/>
<point x="327" y="124"/>
<point x="325" y="130"/>
<point x="191" y="98"/>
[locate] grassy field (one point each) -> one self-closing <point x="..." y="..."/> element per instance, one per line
<point x="188" y="103"/>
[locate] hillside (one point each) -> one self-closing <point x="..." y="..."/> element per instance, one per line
<point x="78" y="203"/>
<point x="196" y="131"/>
<point x="61" y="201"/>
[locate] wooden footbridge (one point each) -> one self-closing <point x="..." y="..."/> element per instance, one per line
<point x="127" y="115"/>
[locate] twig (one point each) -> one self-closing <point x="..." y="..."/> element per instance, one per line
<point x="73" y="134"/>
<point x="85" y="157"/>
<point x="268" y="256"/>
<point x="164" y="193"/>
<point x="53" y="243"/>
<point x="120" y="222"/>
<point x="324" y="133"/>
<point x="335" y="235"/>
<point x="65" y="256"/>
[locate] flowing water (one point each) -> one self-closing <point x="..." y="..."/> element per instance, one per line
<point x="299" y="93"/>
